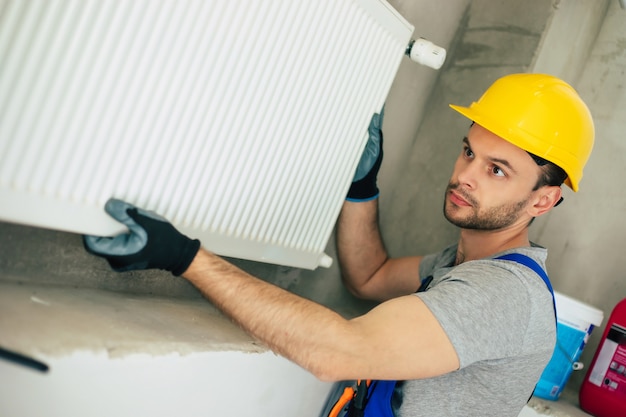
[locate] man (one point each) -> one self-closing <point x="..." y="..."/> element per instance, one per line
<point x="475" y="338"/>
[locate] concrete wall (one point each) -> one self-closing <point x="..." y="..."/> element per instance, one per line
<point x="485" y="39"/>
<point x="586" y="233"/>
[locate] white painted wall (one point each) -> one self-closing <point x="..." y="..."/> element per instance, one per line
<point x="87" y="384"/>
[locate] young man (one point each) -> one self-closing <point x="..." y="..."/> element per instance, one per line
<point x="475" y="338"/>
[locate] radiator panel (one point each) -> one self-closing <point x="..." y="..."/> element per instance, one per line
<point x="240" y="121"/>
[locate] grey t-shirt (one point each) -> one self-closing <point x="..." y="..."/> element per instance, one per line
<point x="499" y="317"/>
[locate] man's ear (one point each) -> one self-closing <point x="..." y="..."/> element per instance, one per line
<point x="548" y="196"/>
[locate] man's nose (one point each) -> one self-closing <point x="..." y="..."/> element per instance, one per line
<point x="467" y="174"/>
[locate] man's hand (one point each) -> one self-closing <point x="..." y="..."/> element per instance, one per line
<point x="364" y="186"/>
<point x="152" y="242"/>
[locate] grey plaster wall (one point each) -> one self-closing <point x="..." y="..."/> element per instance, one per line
<point x="586" y="234"/>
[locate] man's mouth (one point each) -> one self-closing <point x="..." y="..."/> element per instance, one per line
<point x="459" y="200"/>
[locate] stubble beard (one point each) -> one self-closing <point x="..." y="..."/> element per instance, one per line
<point x="493" y="218"/>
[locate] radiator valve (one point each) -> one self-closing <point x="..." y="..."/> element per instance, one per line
<point x="426" y="53"/>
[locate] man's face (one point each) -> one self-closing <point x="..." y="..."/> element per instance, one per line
<point x="492" y="183"/>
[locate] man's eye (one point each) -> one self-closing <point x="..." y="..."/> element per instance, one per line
<point x="468" y="152"/>
<point x="497" y="171"/>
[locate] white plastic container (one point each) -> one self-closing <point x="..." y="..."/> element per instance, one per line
<point x="575" y="322"/>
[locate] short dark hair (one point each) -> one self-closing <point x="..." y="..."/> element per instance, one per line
<point x="551" y="174"/>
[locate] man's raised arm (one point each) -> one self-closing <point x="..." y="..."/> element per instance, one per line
<point x="367" y="270"/>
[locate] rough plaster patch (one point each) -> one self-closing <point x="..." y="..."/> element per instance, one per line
<point x="544" y="409"/>
<point x="617" y="53"/>
<point x="564" y="407"/>
<point x="54" y="321"/>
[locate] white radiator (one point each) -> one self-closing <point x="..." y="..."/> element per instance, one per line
<point x="241" y="121"/>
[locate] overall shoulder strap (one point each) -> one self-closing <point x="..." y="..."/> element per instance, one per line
<point x="530" y="263"/>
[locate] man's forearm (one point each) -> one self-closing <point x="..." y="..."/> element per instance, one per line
<point x="359" y="244"/>
<point x="296" y="328"/>
<point x="367" y="270"/>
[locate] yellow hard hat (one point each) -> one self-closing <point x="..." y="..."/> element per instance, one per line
<point x="542" y="115"/>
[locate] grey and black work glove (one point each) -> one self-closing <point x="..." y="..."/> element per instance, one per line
<point x="364" y="186"/>
<point x="151" y="242"/>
